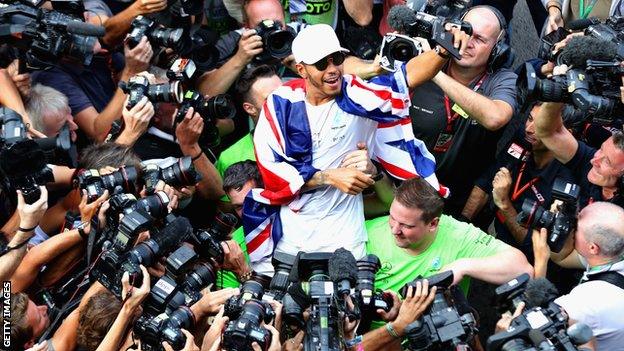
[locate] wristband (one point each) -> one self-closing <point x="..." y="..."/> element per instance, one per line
<point x="355" y="341"/>
<point x="553" y="4"/>
<point x="201" y="152"/>
<point x="391" y="331"/>
<point x="26" y="230"/>
<point x="84" y="235"/>
<point x="18" y="246"/>
<point x="438" y="51"/>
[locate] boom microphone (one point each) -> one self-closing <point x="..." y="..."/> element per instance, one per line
<point x="82" y="28"/>
<point x="343" y="270"/>
<point x="580" y="49"/>
<point x="400" y="17"/>
<point x="581" y="23"/>
<point x="539" y="292"/>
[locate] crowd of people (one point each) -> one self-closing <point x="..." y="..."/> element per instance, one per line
<point x="223" y="175"/>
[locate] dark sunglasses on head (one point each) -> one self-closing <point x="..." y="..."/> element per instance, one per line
<point x="337" y="59"/>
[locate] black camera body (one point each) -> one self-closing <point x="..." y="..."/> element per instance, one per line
<point x="157" y="36"/>
<point x="164" y="328"/>
<point x="217" y="107"/>
<point x="179" y="174"/>
<point x="24" y="161"/>
<point x="276" y="42"/>
<point x="122" y="180"/>
<point x="560" y="222"/>
<point x="246" y="328"/>
<point x="46" y="36"/>
<point x="443" y="326"/>
<point x="207" y="241"/>
<point x="138" y="86"/>
<point x="511" y="294"/>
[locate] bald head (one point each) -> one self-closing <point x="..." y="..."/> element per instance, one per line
<point x="601" y="223"/>
<point x="255" y="11"/>
<point x="486" y="31"/>
<point x="485" y="19"/>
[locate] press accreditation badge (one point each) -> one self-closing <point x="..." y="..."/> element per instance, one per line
<point x="444" y="142"/>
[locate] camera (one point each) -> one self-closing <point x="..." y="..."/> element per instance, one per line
<point x="511" y="294"/>
<point x="365" y="293"/>
<point x="540" y="329"/>
<point x="278" y="286"/>
<point x="276" y="42"/>
<point x="217" y="107"/>
<point x="43" y="37"/>
<point x="397" y="48"/>
<point x="208" y="241"/>
<point x="312" y="288"/>
<point x="157" y="36"/>
<point x="246" y="329"/>
<point x="181" y="173"/>
<point x="122" y="180"/>
<point x="248" y="291"/>
<point x="164" y="328"/>
<point x="445" y="325"/>
<point x="24" y="161"/>
<point x="138" y="86"/>
<point x="558" y="222"/>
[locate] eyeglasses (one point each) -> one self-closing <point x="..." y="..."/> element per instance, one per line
<point x="337" y="59"/>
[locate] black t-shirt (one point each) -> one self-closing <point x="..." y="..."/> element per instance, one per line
<point x="580" y="166"/>
<point x="473" y="147"/>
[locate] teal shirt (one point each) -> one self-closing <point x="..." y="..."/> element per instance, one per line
<point x="227" y="279"/>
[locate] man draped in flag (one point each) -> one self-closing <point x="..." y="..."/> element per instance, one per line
<point x="309" y="143"/>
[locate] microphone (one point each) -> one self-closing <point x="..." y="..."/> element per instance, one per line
<point x="581" y="23"/>
<point x="342" y="270"/>
<point x="580" y="49"/>
<point x="580" y="333"/>
<point x="175" y="232"/>
<point x="539" y="292"/>
<point x="400" y="17"/>
<point x="82" y="28"/>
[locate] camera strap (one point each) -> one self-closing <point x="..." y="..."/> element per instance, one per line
<point x="520" y="190"/>
<point x="610" y="277"/>
<point x="445" y="138"/>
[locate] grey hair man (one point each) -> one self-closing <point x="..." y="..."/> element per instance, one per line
<point x="49" y="111"/>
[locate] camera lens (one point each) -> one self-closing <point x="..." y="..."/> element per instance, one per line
<point x="181" y="173"/>
<point x="417" y="335"/>
<point x="169" y="38"/>
<point x="517" y="345"/>
<point x="201" y="276"/>
<point x="81" y="48"/>
<point x="222" y="226"/>
<point x="221" y="106"/>
<point x="279" y="42"/>
<point x="167" y="92"/>
<point x="551" y="90"/>
<point x="402" y="50"/>
<point x="155" y="205"/>
<point x="125" y="178"/>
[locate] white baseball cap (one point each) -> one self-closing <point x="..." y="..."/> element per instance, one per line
<point x="315" y="42"/>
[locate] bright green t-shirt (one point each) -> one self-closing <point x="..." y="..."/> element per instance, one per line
<point x="242" y="150"/>
<point x="227" y="279"/>
<point x="311" y="11"/>
<point x="453" y="241"/>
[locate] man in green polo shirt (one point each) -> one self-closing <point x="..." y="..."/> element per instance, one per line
<point x="416" y="239"/>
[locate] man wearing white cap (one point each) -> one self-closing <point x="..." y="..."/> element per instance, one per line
<point x="314" y="143"/>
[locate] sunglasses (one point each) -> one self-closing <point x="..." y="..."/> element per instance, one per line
<point x="337" y="59"/>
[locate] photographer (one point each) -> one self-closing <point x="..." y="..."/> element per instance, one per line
<point x="95" y="100"/>
<point x="416" y="239"/>
<point x="460" y="113"/>
<point x="49" y="111"/>
<point x="598" y="172"/>
<point x="598" y="247"/>
<point x="328" y="114"/>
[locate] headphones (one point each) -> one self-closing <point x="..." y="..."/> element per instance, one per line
<point x="502" y="55"/>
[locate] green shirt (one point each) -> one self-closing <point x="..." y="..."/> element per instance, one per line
<point x="242" y="150"/>
<point x="453" y="241"/>
<point x="227" y="279"/>
<point x="311" y="11"/>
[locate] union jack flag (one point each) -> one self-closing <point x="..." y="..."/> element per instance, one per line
<point x="283" y="147"/>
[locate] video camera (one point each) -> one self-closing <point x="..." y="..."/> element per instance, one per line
<point x="46" y="36"/>
<point x="560" y="220"/>
<point x="24" y="161"/>
<point x="216" y="107"/>
<point x="542" y="325"/>
<point x="181" y="173"/>
<point x="443" y="326"/>
<point x="429" y="25"/>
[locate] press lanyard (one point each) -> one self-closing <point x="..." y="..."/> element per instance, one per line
<point x="450" y="118"/>
<point x="519" y="190"/>
<point x="585" y="11"/>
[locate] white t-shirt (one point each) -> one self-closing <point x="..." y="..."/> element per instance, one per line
<point x="600" y="305"/>
<point x="329" y="219"/>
